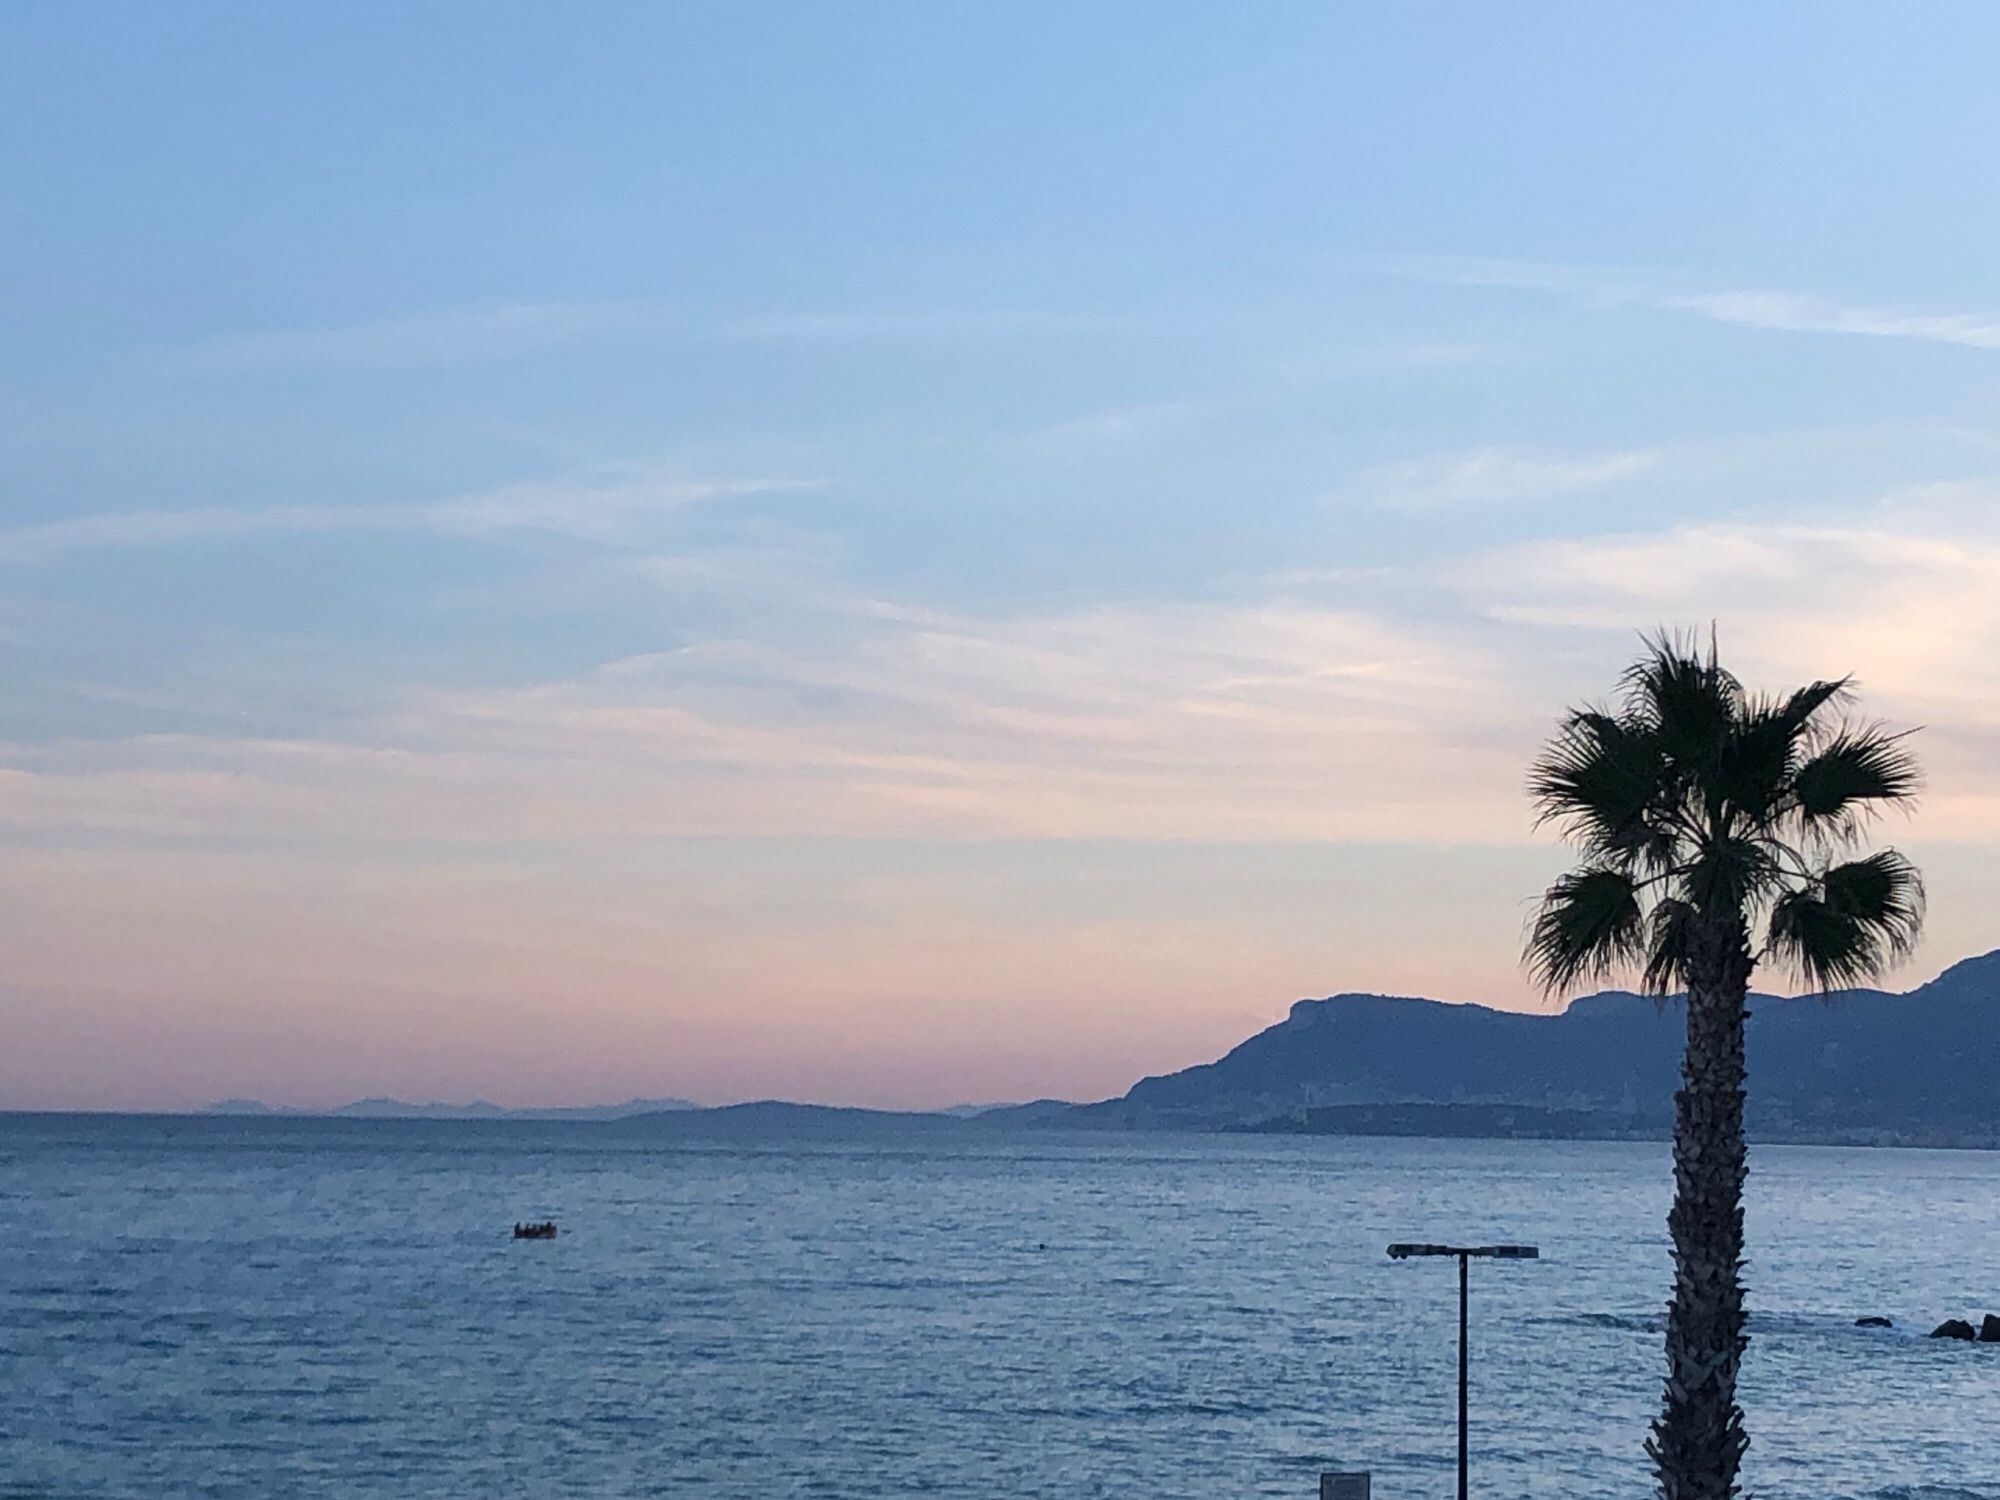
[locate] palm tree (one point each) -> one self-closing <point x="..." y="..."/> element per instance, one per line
<point x="1704" y="814"/>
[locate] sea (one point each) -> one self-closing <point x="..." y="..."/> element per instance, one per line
<point x="289" y="1307"/>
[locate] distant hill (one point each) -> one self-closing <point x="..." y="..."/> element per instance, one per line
<point x="479" y="1109"/>
<point x="1035" y="1112"/>
<point x="1861" y="1065"/>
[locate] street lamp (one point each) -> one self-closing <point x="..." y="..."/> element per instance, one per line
<point x="1465" y="1253"/>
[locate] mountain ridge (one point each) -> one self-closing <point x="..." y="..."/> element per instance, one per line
<point x="1862" y="1064"/>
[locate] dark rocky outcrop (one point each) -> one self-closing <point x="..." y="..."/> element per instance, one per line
<point x="1954" y="1328"/>
<point x="1874" y="1322"/>
<point x="1989" y="1329"/>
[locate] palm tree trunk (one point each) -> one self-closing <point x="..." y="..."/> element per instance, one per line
<point x="1699" y="1440"/>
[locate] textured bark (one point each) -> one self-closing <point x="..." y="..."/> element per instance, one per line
<point x="1698" y="1441"/>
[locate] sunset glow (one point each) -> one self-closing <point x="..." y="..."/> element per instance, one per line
<point x="911" y="616"/>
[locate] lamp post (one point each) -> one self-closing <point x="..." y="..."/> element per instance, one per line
<point x="1465" y="1253"/>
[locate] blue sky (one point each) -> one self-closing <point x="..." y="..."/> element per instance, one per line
<point x="912" y="553"/>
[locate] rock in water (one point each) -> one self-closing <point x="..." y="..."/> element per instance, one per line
<point x="1953" y="1328"/>
<point x="1874" y="1322"/>
<point x="1989" y="1329"/>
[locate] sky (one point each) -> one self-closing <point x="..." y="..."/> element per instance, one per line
<point x="912" y="554"/>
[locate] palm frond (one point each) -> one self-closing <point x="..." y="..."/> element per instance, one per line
<point x="1690" y="702"/>
<point x="1598" y="780"/>
<point x="1753" y="774"/>
<point x="1851" y="923"/>
<point x="1670" y="930"/>
<point x="1589" y="926"/>
<point x="1860" y="769"/>
<point x="1803" y="705"/>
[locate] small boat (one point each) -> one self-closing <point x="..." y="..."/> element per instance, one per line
<point x="546" y="1230"/>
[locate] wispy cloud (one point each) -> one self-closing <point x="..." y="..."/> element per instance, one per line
<point x="1115" y="428"/>
<point x="850" y="715"/>
<point x="1764" y="308"/>
<point x="1397" y="708"/>
<point x="600" y="509"/>
<point x="1144" y="422"/>
<point x="1791" y="313"/>
<point x="1437" y="354"/>
<point x="508" y="330"/>
<point x="499" y="331"/>
<point x="936" y="323"/>
<point x="1492" y="475"/>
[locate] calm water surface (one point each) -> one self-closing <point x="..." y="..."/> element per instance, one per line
<point x="303" y="1308"/>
